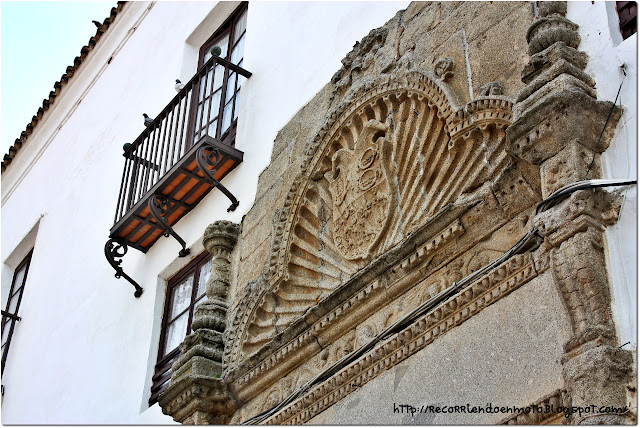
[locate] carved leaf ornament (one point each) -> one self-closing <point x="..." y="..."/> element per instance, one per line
<point x="381" y="166"/>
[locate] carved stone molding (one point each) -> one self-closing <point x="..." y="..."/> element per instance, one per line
<point x="491" y="89"/>
<point x="334" y="315"/>
<point x="575" y="229"/>
<point x="451" y="313"/>
<point x="198" y="398"/>
<point x="362" y="57"/>
<point x="559" y="103"/>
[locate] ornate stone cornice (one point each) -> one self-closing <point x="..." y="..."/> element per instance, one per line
<point x="495" y="285"/>
<point x="366" y="294"/>
<point x="488" y="110"/>
<point x="559" y="102"/>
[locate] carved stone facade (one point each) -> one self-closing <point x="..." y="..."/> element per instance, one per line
<point x="392" y="186"/>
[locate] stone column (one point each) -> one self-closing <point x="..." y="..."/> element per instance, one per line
<point x="197" y="393"/>
<point x="557" y="124"/>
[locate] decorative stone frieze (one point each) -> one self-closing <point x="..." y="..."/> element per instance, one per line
<point x="446" y="316"/>
<point x="197" y="393"/>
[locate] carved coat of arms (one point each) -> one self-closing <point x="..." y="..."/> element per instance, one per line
<point x="361" y="191"/>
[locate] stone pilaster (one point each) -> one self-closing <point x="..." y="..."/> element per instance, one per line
<point x="557" y="118"/>
<point x="197" y="393"/>
<point x="558" y="122"/>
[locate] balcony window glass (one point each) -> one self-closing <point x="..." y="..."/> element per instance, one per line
<point x="216" y="106"/>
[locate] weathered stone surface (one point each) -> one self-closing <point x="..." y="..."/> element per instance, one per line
<point x="458" y="368"/>
<point x="570" y="165"/>
<point x="198" y="397"/>
<point x="561" y="126"/>
<point x="599" y="376"/>
<point x="545" y="128"/>
<point x="403" y="176"/>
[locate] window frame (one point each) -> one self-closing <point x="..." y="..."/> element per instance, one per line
<point x="26" y="264"/>
<point x="228" y="27"/>
<point x="627" y="18"/>
<point x="164" y="360"/>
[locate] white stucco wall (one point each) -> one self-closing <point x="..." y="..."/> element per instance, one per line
<point x="85" y="347"/>
<point x="600" y="38"/>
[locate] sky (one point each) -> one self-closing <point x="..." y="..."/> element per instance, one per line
<point x="38" y="40"/>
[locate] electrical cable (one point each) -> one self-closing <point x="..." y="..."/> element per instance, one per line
<point x="605" y="123"/>
<point x="565" y="191"/>
<point x="529" y="242"/>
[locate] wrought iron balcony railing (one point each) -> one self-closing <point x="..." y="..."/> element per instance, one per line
<point x="176" y="161"/>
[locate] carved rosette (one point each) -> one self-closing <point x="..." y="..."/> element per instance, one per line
<point x="558" y="121"/>
<point x="443" y="69"/>
<point x="197" y="393"/>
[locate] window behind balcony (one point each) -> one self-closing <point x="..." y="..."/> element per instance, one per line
<point x="627" y="11"/>
<point x="10" y="314"/>
<point x="216" y="112"/>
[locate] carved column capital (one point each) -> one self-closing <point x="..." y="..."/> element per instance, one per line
<point x="221" y="235"/>
<point x="582" y="210"/>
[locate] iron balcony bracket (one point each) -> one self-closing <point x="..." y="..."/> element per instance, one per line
<point x="160" y="205"/>
<point x="207" y="156"/>
<point x="116" y="248"/>
<point x="233" y="67"/>
<point x="10" y="315"/>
